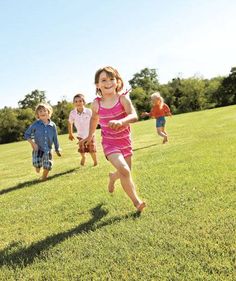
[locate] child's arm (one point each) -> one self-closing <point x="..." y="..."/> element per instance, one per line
<point x="144" y="114"/>
<point x="167" y="110"/>
<point x="70" y="131"/>
<point x="130" y="111"/>
<point x="56" y="142"/>
<point x="28" y="137"/>
<point x="33" y="144"/>
<point x="93" y="123"/>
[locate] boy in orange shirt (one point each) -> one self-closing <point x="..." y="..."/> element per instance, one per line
<point x="159" y="111"/>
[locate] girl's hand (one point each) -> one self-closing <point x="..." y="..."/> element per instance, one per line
<point x="115" y="124"/>
<point x="144" y="114"/>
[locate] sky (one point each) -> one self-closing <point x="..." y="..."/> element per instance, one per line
<point x="56" y="46"/>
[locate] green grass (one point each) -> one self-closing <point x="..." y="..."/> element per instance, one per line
<point x="71" y="228"/>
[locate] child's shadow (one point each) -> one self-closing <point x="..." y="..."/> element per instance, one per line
<point x="29" y="183"/>
<point x="26" y="256"/>
<point x="144" y="147"/>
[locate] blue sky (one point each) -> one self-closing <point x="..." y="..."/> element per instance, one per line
<point x="57" y="45"/>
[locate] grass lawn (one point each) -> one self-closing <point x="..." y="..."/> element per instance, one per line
<point x="71" y="228"/>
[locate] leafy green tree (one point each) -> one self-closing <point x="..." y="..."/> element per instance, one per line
<point x="193" y="94"/>
<point x="9" y="129"/>
<point x="31" y="100"/>
<point x="140" y="100"/>
<point x="60" y="115"/>
<point x="226" y="95"/>
<point x="147" y="79"/>
<point x="212" y="87"/>
<point x="143" y="85"/>
<point x="171" y="92"/>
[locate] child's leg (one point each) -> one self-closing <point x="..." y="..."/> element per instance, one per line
<point x="82" y="162"/>
<point x="115" y="176"/>
<point x="123" y="169"/>
<point x="47" y="165"/>
<point x="94" y="157"/>
<point x="37" y="161"/>
<point x="45" y="174"/>
<point x="165" y="139"/>
<point x="112" y="178"/>
<point x="161" y="132"/>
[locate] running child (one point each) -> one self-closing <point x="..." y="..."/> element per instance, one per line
<point x="159" y="111"/>
<point x="80" y="117"/>
<point x="41" y="135"/>
<point x="114" y="112"/>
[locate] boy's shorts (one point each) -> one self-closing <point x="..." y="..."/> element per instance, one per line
<point x="42" y="159"/>
<point x="91" y="147"/>
<point x="160" y="121"/>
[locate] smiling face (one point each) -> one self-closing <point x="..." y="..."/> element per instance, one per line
<point x="43" y="114"/>
<point x="106" y="78"/>
<point x="107" y="84"/>
<point x="79" y="103"/>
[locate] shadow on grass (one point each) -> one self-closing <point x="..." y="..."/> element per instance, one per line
<point x="29" y="183"/>
<point x="26" y="256"/>
<point x="144" y="147"/>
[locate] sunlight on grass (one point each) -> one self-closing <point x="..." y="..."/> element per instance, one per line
<point x="71" y="228"/>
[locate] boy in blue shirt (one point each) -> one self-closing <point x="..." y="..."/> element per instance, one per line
<point x="41" y="135"/>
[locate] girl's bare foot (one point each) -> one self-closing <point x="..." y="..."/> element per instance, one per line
<point x="111" y="185"/>
<point x="140" y="207"/>
<point x="165" y="140"/>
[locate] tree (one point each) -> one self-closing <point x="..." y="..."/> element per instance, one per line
<point x="60" y="115"/>
<point x="226" y="95"/>
<point x="140" y="100"/>
<point x="9" y="130"/>
<point x="193" y="94"/>
<point x="143" y="85"/>
<point x="31" y="100"/>
<point x="147" y="79"/>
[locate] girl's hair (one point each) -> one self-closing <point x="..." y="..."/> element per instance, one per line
<point x="80" y="96"/>
<point x="157" y="96"/>
<point x="45" y="106"/>
<point x="111" y="73"/>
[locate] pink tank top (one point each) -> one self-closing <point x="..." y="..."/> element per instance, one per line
<point x="110" y="136"/>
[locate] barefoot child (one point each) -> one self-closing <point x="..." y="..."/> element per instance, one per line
<point x="114" y="112"/>
<point x="159" y="111"/>
<point x="41" y="135"/>
<point x="80" y="117"/>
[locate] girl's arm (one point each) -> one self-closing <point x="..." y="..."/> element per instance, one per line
<point x="144" y="114"/>
<point x="167" y="110"/>
<point x="130" y="111"/>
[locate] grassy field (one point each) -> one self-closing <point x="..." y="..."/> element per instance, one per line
<point x="71" y="228"/>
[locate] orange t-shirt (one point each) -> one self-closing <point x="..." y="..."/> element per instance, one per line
<point x="156" y="111"/>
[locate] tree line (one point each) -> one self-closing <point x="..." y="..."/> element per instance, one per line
<point x="182" y="95"/>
